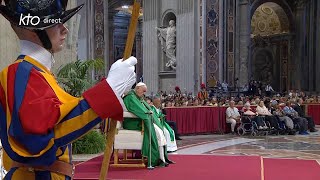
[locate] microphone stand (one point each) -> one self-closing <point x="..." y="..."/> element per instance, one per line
<point x="150" y="167"/>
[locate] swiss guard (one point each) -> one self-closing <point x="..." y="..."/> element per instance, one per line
<point x="38" y="119"/>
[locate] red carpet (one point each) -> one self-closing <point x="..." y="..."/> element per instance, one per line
<point x="291" y="169"/>
<point x="202" y="167"/>
<point x="199" y="167"/>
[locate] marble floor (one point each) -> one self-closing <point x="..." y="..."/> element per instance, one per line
<point x="282" y="146"/>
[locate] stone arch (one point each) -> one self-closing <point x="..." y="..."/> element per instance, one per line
<point x="167" y="16"/>
<point x="266" y="44"/>
<point x="269" y="19"/>
<point x="284" y="8"/>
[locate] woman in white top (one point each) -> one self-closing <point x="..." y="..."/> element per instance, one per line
<point x="263" y="111"/>
<point x="258" y="119"/>
<point x="232" y="116"/>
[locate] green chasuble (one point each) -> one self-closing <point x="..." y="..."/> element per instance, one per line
<point x="161" y="116"/>
<point x="140" y="107"/>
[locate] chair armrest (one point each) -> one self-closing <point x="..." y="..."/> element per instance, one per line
<point x="127" y="114"/>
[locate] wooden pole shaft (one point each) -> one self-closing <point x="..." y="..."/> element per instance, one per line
<point x="113" y="123"/>
<point x="132" y="30"/>
<point x="107" y="153"/>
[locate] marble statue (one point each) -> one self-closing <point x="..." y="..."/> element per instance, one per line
<point x="167" y="37"/>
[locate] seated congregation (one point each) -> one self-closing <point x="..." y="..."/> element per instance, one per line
<point x="270" y="117"/>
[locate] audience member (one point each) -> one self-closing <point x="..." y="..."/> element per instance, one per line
<point x="301" y="113"/>
<point x="232" y="116"/>
<point x="203" y="94"/>
<point x="268" y="90"/>
<point x="253" y="116"/>
<point x="302" y="122"/>
<point x="282" y="117"/>
<point x="263" y="111"/>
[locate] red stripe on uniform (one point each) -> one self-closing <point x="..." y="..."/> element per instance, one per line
<point x="3" y="98"/>
<point x="11" y="76"/>
<point x="104" y="102"/>
<point x="40" y="108"/>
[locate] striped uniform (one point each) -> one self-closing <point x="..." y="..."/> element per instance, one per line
<point x="39" y="119"/>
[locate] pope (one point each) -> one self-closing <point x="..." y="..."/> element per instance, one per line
<point x="156" y="149"/>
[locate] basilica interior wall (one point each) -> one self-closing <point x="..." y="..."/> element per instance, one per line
<point x="10" y="46"/>
<point x="150" y="45"/>
<point x="150" y="56"/>
<point x="293" y="29"/>
<point x="186" y="75"/>
<point x="9" y="43"/>
<point x="187" y="52"/>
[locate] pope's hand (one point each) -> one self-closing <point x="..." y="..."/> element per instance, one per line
<point x="121" y="76"/>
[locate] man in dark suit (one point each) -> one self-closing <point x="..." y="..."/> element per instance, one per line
<point x="173" y="125"/>
<point x="301" y="112"/>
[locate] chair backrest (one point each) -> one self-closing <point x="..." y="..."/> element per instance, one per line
<point x="3" y="172"/>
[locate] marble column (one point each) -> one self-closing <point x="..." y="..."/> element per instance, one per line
<point x="305" y="40"/>
<point x="138" y="44"/>
<point x="290" y="63"/>
<point x="151" y="46"/>
<point x="110" y="42"/>
<point x="197" y="42"/>
<point x="317" y="43"/>
<point x="237" y="40"/>
<point x="204" y="44"/>
<point x="106" y="36"/>
<point x="99" y="42"/>
<point x="244" y="42"/>
<point x="187" y="46"/>
<point x="90" y="31"/>
<point x="221" y="42"/>
<point x="311" y="48"/>
<point x="299" y="47"/>
<point x="230" y="13"/>
<point x="212" y="42"/>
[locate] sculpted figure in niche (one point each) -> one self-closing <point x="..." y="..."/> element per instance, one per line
<point x="167" y="37"/>
<point x="266" y="69"/>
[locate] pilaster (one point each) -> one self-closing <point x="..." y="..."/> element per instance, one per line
<point x="244" y="28"/>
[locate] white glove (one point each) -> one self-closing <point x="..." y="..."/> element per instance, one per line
<point x="121" y="76"/>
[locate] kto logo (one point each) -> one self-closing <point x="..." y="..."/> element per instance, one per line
<point x="35" y="20"/>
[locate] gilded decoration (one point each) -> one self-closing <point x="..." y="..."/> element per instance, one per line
<point x="99" y="22"/>
<point x="212" y="18"/>
<point x="212" y="48"/>
<point x="212" y="31"/>
<point x="266" y="21"/>
<point x="213" y="66"/>
<point x="99" y="29"/>
<point x="230" y="35"/>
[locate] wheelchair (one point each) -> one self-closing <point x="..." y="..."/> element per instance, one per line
<point x="248" y="126"/>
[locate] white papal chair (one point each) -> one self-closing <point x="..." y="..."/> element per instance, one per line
<point x="3" y="172"/>
<point x="127" y="140"/>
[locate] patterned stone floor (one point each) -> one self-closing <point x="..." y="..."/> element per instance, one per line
<point x="283" y="146"/>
